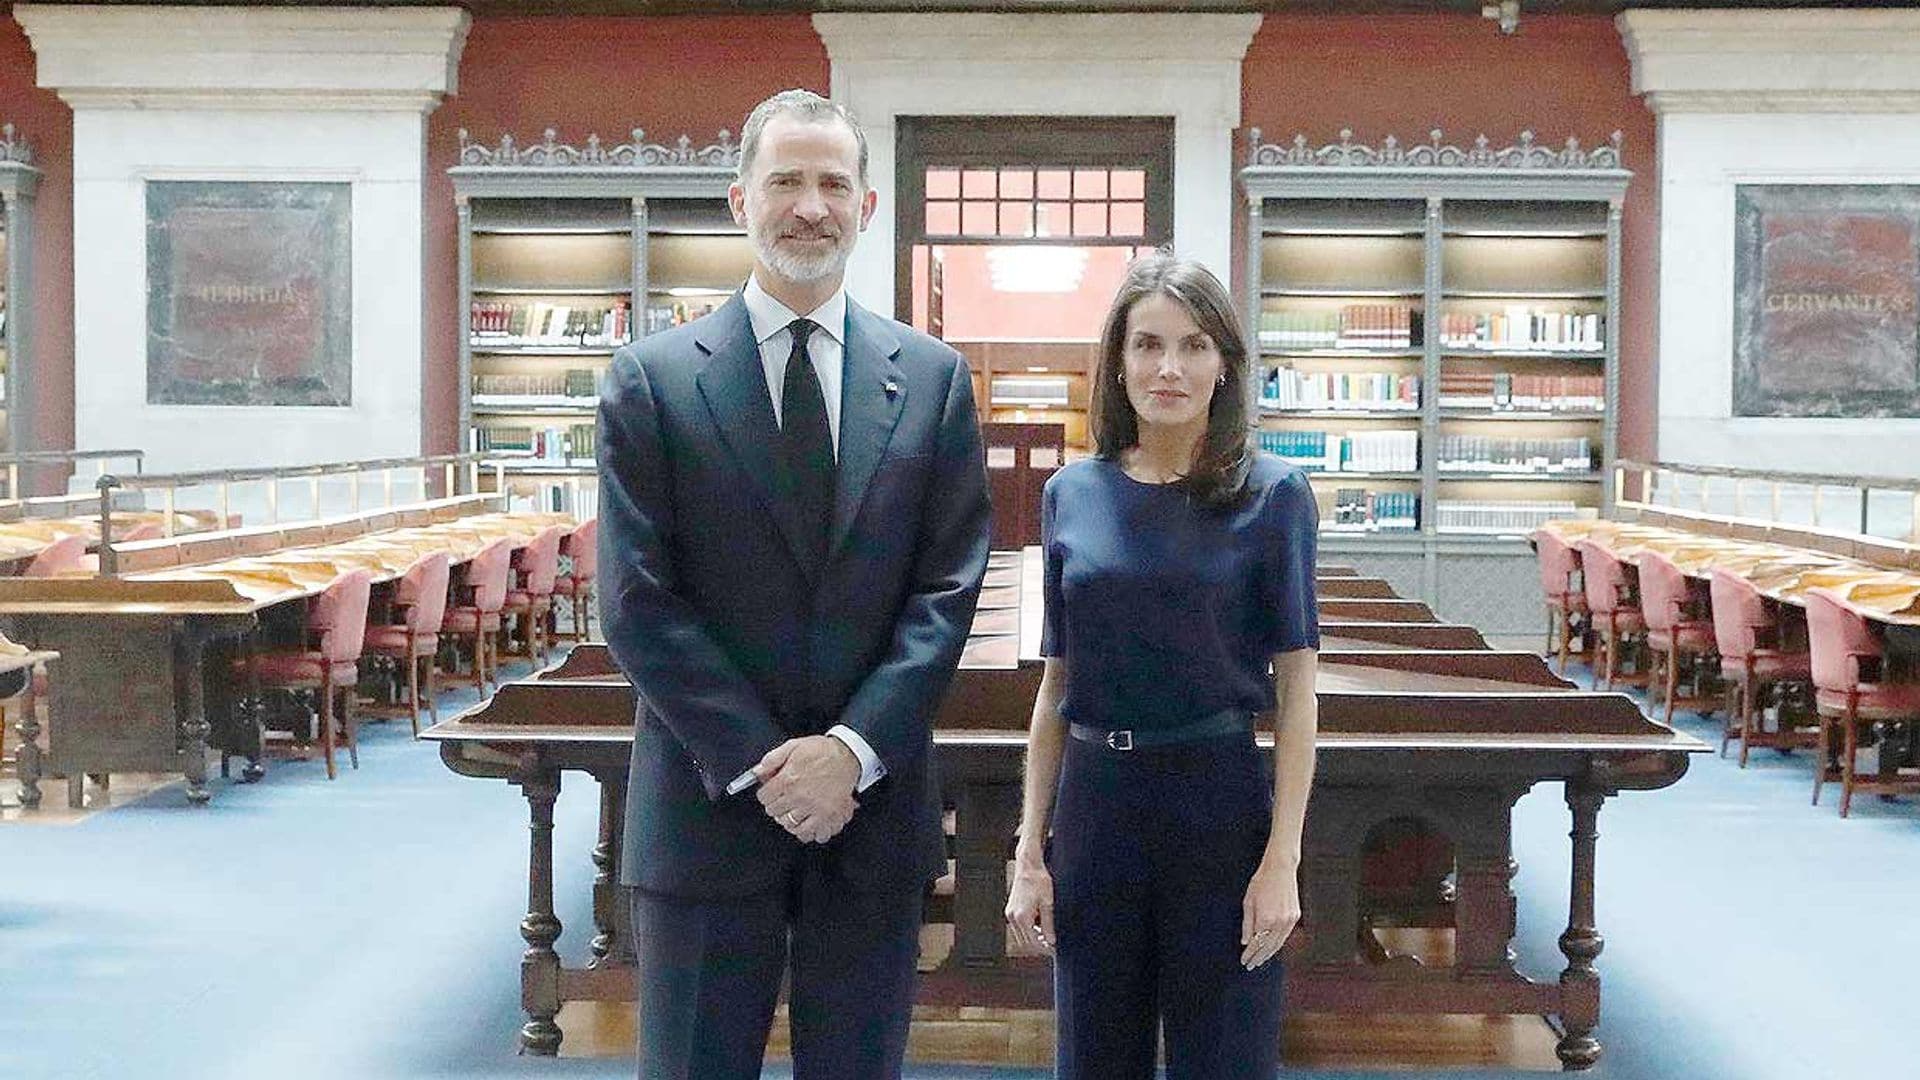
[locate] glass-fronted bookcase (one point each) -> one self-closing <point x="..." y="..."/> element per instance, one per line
<point x="1437" y="348"/>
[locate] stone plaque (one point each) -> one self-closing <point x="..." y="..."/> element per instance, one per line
<point x="249" y="293"/>
<point x="1826" y="280"/>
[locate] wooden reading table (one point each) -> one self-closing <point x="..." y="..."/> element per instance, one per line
<point x="1427" y="739"/>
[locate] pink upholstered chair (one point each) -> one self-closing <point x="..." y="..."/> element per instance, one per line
<point x="1850" y="692"/>
<point x="420" y="600"/>
<point x="580" y="547"/>
<point x="1613" y="607"/>
<point x="327" y="663"/>
<point x="1566" y="603"/>
<point x="476" y="614"/>
<point x="530" y="599"/>
<point x="1754" y="660"/>
<point x="1678" y="628"/>
<point x="63" y="556"/>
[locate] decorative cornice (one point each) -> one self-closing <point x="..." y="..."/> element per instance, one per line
<point x="1796" y="60"/>
<point x="14" y="148"/>
<point x="191" y="57"/>
<point x="1051" y="37"/>
<point x="638" y="154"/>
<point x="1434" y="154"/>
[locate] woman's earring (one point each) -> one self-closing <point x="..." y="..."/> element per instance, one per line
<point x="1222" y="380"/>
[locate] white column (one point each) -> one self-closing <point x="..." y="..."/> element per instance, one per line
<point x="264" y="94"/>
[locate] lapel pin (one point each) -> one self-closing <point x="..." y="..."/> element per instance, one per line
<point x="892" y="388"/>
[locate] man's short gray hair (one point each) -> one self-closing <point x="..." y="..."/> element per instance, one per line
<point x="807" y="106"/>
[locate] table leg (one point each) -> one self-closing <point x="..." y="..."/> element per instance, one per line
<point x="27" y="762"/>
<point x="187" y="652"/>
<point x="605" y="886"/>
<point x="540" y="964"/>
<point x="1580" y="982"/>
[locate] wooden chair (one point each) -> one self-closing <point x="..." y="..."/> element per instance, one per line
<point x="1566" y="602"/>
<point x="1679" y="631"/>
<point x="1755" y="662"/>
<point x="1614" y="609"/>
<point x="580" y="547"/>
<point x="327" y="663"/>
<point x="420" y="598"/>
<point x="477" y="614"/>
<point x="1850" y="692"/>
<point x="530" y="598"/>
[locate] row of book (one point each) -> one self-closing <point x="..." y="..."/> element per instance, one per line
<point x="1031" y="391"/>
<point x="1355" y="451"/>
<point x="1527" y="393"/>
<point x="571" y="387"/>
<point x="1520" y="327"/>
<point x="1289" y="388"/>
<point x="513" y="323"/>
<point x="1361" y="510"/>
<point x="569" y="445"/>
<point x="1355" y="326"/>
<point x="669" y="315"/>
<point x="1502" y="517"/>
<point x="1494" y="454"/>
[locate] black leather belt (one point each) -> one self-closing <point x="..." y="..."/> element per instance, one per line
<point x="1220" y="723"/>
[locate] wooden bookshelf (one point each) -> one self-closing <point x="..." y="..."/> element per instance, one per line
<point x="19" y="180"/>
<point x="1478" y="284"/>
<point x="567" y="253"/>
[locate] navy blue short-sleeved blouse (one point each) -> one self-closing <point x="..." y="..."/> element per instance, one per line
<point x="1166" y="612"/>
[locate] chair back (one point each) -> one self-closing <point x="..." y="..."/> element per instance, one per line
<point x="1605" y="577"/>
<point x="338" y="616"/>
<point x="1663" y="591"/>
<point x="582" y="546"/>
<point x="1836" y="634"/>
<point x="1558" y="564"/>
<point x="143" y="530"/>
<point x="62" y="556"/>
<point x="422" y="590"/>
<point x="1739" y="614"/>
<point x="540" y="561"/>
<point x="488" y="573"/>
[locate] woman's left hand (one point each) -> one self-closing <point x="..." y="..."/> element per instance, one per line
<point x="1269" y="913"/>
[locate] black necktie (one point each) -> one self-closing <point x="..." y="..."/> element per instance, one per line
<point x="806" y="442"/>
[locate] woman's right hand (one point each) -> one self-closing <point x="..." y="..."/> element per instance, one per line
<point x="1030" y="909"/>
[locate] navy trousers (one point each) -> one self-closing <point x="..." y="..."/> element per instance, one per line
<point x="710" y="974"/>
<point x="1151" y="853"/>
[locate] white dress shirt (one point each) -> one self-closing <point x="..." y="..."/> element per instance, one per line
<point x="827" y="349"/>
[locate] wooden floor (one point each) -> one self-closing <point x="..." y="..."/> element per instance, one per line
<point x="1017" y="1037"/>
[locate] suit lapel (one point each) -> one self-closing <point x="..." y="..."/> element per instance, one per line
<point x="872" y="396"/>
<point x="734" y="385"/>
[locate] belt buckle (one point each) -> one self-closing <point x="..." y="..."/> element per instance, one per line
<point x="1120" y="740"/>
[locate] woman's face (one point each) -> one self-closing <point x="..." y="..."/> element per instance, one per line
<point x="1172" y="367"/>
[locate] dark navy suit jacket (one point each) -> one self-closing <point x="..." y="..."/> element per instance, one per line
<point x="735" y="642"/>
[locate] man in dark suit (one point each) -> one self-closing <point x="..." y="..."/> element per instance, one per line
<point x="795" y="522"/>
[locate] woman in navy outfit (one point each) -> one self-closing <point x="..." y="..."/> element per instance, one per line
<point x="1159" y="856"/>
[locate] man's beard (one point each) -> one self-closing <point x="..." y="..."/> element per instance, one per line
<point x="795" y="266"/>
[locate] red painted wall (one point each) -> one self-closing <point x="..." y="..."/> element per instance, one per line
<point x="1406" y="75"/>
<point x="669" y="76"/>
<point x="47" y="124"/>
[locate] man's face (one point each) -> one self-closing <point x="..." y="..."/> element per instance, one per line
<point x="803" y="204"/>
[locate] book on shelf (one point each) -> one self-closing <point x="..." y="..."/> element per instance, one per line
<point x="1354" y="451"/>
<point x="666" y="316"/>
<point x="1030" y="391"/>
<point x="1496" y="390"/>
<point x="1521" y="327"/>
<point x="516" y="324"/>
<point x="1495" y="454"/>
<point x="1455" y="516"/>
<point x="1354" y="326"/>
<point x="1363" y="511"/>
<point x="1290" y="388"/>
<point x="569" y="445"/>
<point x="577" y="386"/>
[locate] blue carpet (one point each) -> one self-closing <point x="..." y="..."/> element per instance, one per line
<point x="369" y="928"/>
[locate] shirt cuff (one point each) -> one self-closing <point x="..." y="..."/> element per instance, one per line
<point x="742" y="782"/>
<point x="871" y="768"/>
